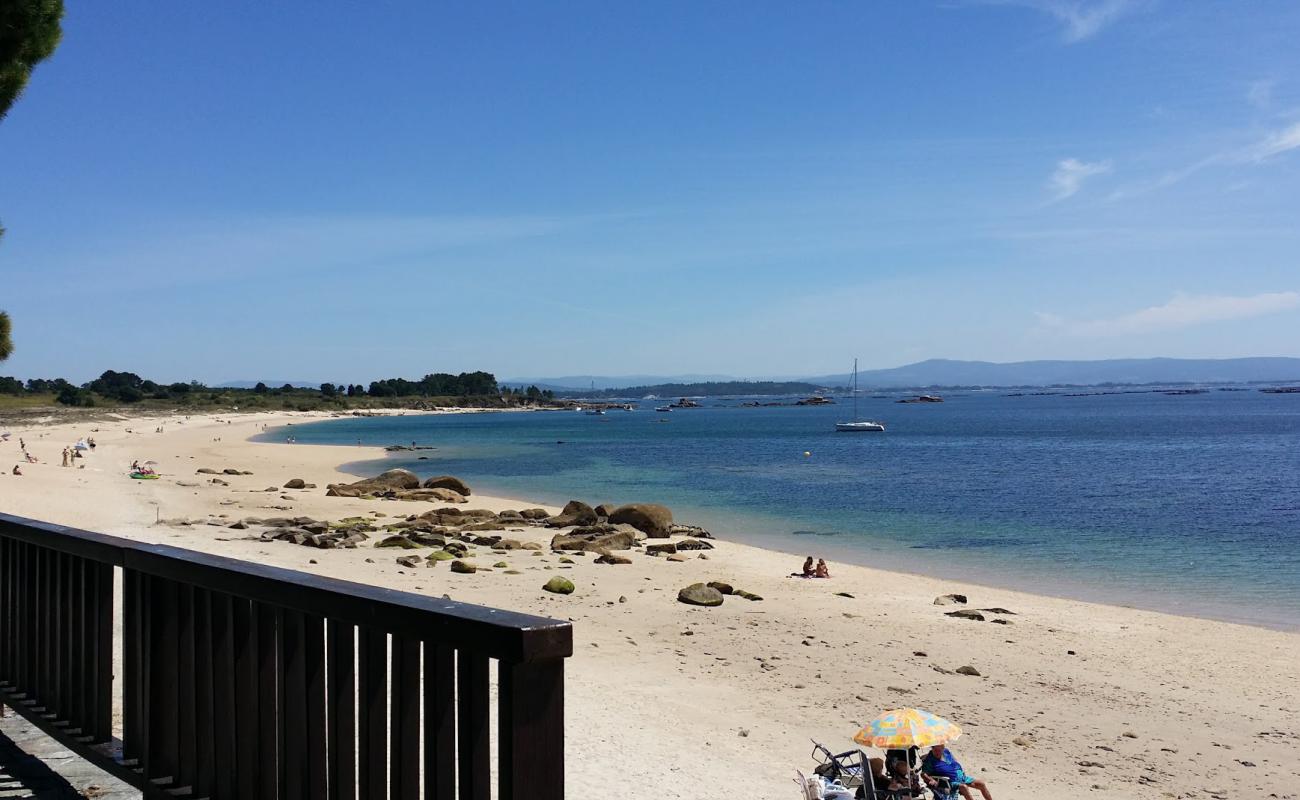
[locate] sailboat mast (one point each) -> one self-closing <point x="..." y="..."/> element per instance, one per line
<point x="855" y="390"/>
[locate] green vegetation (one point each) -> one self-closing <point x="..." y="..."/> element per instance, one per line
<point x="710" y="389"/>
<point x="6" y="332"/>
<point x="115" y="389"/>
<point x="29" y="32"/>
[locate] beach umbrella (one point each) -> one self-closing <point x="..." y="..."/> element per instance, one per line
<point x="907" y="727"/>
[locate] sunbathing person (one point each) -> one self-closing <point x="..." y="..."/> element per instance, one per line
<point x="822" y="570"/>
<point x="939" y="763"/>
<point x="808" y="571"/>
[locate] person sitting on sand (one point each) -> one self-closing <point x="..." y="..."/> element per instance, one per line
<point x="808" y="570"/>
<point x="939" y="763"/>
<point x="822" y="570"/>
<point x="903" y="781"/>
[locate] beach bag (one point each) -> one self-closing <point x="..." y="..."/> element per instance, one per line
<point x="836" y="791"/>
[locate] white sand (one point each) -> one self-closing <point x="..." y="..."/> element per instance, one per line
<point x="1167" y="706"/>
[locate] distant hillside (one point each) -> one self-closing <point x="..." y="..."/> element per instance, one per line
<point x="944" y="372"/>
<point x="703" y="389"/>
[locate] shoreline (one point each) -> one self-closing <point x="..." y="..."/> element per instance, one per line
<point x="672" y="696"/>
<point x="1078" y="590"/>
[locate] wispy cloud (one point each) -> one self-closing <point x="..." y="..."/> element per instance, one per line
<point x="1183" y="311"/>
<point x="1079" y="19"/>
<point x="1275" y="144"/>
<point x="1263" y="149"/>
<point x="1260" y="93"/>
<point x="1070" y="173"/>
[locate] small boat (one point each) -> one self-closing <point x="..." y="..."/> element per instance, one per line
<point x="864" y="425"/>
<point x="664" y="409"/>
<point x="595" y="412"/>
<point x="857" y="425"/>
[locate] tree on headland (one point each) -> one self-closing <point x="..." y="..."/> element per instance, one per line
<point x="29" y="32"/>
<point x="6" y="338"/>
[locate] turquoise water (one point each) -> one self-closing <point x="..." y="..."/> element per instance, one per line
<point x="1188" y="504"/>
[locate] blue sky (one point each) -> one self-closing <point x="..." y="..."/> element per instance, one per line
<point x="344" y="191"/>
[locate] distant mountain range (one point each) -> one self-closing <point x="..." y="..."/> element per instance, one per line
<point x="947" y="372"/>
<point x="944" y="372"/>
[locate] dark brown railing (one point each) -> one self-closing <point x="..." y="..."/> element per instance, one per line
<point x="251" y="682"/>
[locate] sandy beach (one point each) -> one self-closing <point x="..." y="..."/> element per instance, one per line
<point x="670" y="701"/>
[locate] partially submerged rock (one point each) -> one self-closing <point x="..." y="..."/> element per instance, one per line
<point x="966" y="613"/>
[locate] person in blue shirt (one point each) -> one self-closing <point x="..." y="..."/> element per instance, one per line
<point x="939" y="763"/>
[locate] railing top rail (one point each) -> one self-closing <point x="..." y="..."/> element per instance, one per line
<point x="506" y="635"/>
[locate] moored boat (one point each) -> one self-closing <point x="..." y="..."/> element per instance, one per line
<point x="858" y="425"/>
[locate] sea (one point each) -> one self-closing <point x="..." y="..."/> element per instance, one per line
<point x="1184" y="503"/>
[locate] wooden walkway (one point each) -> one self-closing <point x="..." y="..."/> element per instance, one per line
<point x="32" y="765"/>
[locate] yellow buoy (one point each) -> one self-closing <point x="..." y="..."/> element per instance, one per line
<point x="807" y="454"/>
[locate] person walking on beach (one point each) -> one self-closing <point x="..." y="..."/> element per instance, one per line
<point x="939" y="763"/>
<point x="65" y="456"/>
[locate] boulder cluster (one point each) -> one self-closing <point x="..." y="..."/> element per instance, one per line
<point x="402" y="484"/>
<point x="452" y="532"/>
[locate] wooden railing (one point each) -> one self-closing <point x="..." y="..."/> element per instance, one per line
<point x="251" y="682"/>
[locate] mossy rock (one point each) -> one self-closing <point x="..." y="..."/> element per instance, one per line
<point x="441" y="555"/>
<point x="463" y="567"/>
<point x="501" y="565"/>
<point x="399" y="541"/>
<point x="559" y="585"/>
<point x="565" y="560"/>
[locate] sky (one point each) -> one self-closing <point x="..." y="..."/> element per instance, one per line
<point x="347" y="191"/>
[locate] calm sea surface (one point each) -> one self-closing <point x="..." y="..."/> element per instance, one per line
<point x="1189" y="504"/>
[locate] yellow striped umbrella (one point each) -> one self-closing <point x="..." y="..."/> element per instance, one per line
<point x="907" y="727"/>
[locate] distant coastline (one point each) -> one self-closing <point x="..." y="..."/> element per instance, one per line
<point x="952" y="374"/>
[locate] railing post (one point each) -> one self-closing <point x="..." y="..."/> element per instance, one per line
<point x="531" y="730"/>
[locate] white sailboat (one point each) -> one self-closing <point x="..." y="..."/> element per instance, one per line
<point x="857" y="425"/>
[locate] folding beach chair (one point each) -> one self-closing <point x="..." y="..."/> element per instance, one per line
<point x="850" y="768"/>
